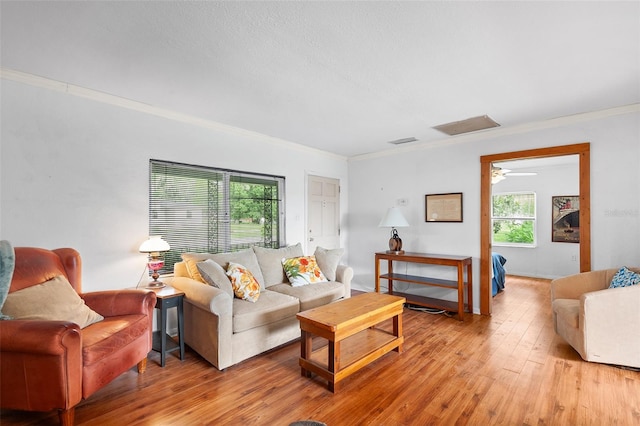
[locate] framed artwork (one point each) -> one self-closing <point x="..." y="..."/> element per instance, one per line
<point x="443" y="207"/>
<point x="565" y="219"/>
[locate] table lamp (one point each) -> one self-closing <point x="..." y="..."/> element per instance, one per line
<point x="394" y="219"/>
<point x="155" y="246"/>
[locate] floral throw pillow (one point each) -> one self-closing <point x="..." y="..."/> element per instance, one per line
<point x="244" y="284"/>
<point x="303" y="270"/>
<point x="624" y="278"/>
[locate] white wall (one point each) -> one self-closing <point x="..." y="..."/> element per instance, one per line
<point x="74" y="173"/>
<point x="547" y="259"/>
<point x="376" y="182"/>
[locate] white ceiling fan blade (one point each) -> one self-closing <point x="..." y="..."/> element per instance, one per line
<point x="521" y="174"/>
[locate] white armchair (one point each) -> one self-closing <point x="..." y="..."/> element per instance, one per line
<point x="599" y="322"/>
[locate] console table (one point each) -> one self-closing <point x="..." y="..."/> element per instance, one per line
<point x="459" y="262"/>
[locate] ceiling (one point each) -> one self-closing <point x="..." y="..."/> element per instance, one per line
<point x="344" y="77"/>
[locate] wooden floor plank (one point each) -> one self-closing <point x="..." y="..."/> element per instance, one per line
<point x="510" y="368"/>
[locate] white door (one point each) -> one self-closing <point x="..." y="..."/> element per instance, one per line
<point x="323" y="213"/>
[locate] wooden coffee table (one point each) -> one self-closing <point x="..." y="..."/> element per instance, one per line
<point x="353" y="341"/>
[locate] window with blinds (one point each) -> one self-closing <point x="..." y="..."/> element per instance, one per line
<point x="208" y="210"/>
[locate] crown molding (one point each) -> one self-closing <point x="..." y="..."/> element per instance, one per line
<point x="107" y="98"/>
<point x="505" y="131"/>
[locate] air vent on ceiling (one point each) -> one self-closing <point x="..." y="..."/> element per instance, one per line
<point x="404" y="140"/>
<point x="466" y="126"/>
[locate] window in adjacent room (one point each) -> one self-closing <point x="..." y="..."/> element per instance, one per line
<point x="513" y="219"/>
<point x="208" y="210"/>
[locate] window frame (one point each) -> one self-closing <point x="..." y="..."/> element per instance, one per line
<point x="533" y="219"/>
<point x="207" y="201"/>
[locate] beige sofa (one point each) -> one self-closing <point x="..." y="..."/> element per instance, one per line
<point x="599" y="322"/>
<point x="224" y="329"/>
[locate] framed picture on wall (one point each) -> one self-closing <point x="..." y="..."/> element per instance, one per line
<point x="443" y="207"/>
<point x="565" y="219"/>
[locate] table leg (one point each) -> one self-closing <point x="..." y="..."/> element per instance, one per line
<point x="163" y="334"/>
<point x="470" y="286"/>
<point x="305" y="350"/>
<point x="460" y="291"/>
<point x="397" y="330"/>
<point x="377" y="275"/>
<point x="333" y="363"/>
<point x="181" y="329"/>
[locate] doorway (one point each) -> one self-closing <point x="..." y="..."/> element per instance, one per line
<point x="323" y="213"/>
<point x="583" y="152"/>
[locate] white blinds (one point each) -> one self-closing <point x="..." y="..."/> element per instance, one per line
<point x="201" y="209"/>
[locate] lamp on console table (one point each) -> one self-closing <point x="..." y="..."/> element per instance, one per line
<point x="394" y="219"/>
<point x="155" y="246"/>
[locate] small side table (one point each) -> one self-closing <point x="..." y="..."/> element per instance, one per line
<point x="168" y="297"/>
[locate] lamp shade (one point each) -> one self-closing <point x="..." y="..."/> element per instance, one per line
<point x="393" y="219"/>
<point x="154" y="244"/>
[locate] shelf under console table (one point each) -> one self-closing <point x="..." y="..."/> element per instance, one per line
<point x="459" y="262"/>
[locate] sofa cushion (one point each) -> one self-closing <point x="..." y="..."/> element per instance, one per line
<point x="53" y="300"/>
<point x="243" y="282"/>
<point x="328" y="260"/>
<point x="269" y="308"/>
<point x="247" y="258"/>
<point x="312" y="296"/>
<point x="567" y="311"/>
<point x="303" y="270"/>
<point x="215" y="276"/>
<point x="270" y="261"/>
<point x="624" y="278"/>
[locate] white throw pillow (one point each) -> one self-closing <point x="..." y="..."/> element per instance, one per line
<point x="215" y="275"/>
<point x="269" y="261"/>
<point x="328" y="261"/>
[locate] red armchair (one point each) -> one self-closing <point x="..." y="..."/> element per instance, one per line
<point x="49" y="365"/>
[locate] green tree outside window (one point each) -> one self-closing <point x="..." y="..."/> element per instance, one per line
<point x="513" y="218"/>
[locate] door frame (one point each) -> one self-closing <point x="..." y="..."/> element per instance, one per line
<point x="584" y="170"/>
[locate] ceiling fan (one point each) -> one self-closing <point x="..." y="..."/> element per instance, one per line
<point x="498" y="174"/>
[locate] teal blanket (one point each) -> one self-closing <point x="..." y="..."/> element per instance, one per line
<point x="7" y="263"/>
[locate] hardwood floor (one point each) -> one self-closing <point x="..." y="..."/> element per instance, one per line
<point x="506" y="369"/>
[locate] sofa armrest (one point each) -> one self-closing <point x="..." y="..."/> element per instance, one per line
<point x="573" y="286"/>
<point x="39" y="355"/>
<point x="111" y="303"/>
<point x="208" y="315"/>
<point x="205" y="296"/>
<point x="610" y="322"/>
<point x="40" y="337"/>
<point x="344" y="275"/>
